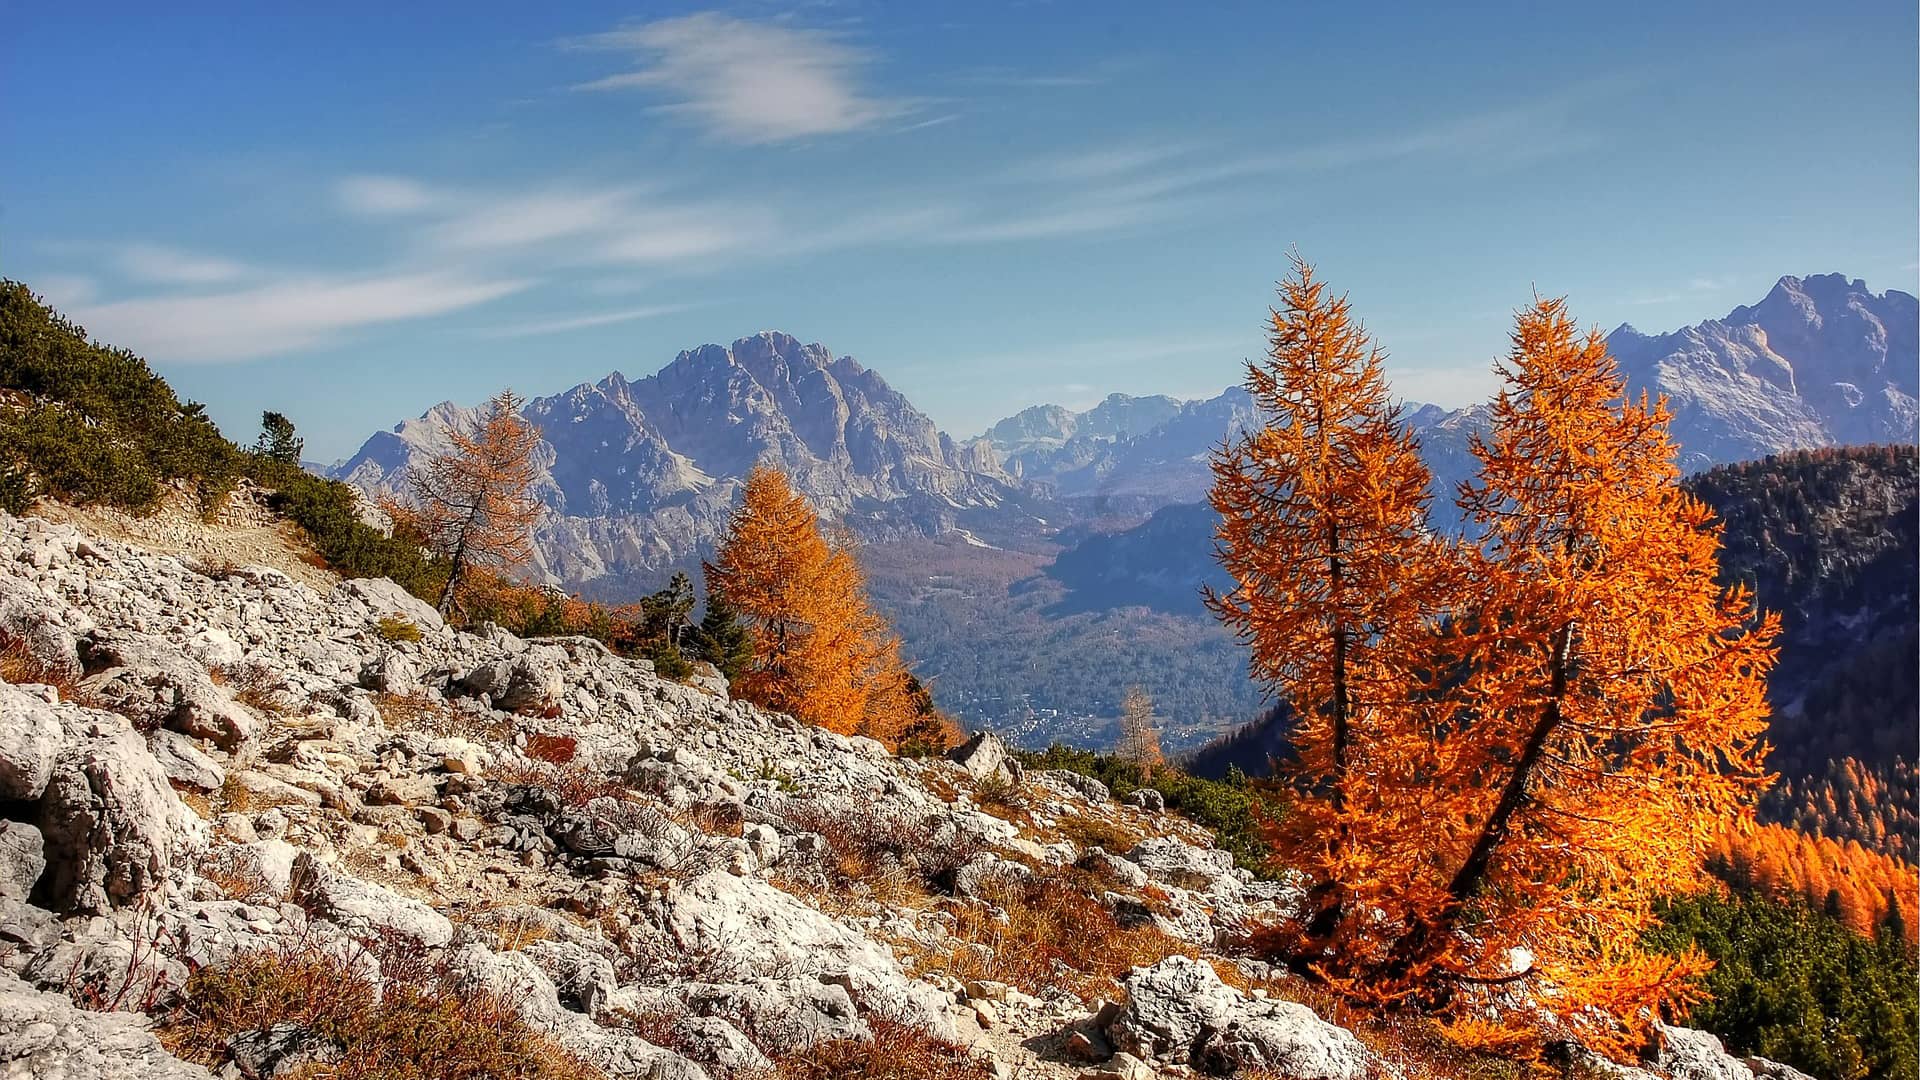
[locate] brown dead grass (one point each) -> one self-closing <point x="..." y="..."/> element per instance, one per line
<point x="572" y="784"/>
<point x="898" y="1052"/>
<point x="235" y="877"/>
<point x="1048" y="934"/>
<point x="415" y="1027"/>
<point x="875" y="860"/>
<point x="19" y="666"/>
<point x="1086" y="831"/>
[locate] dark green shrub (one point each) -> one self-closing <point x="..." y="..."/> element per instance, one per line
<point x="1794" y="985"/>
<point x="328" y="511"/>
<point x="94" y="424"/>
<point x="1231" y="807"/>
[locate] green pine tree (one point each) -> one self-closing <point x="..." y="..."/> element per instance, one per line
<point x="277" y="440"/>
<point x="721" y="638"/>
<point x="666" y="628"/>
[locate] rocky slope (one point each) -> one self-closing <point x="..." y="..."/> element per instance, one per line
<point x="639" y="476"/>
<point x="199" y="766"/>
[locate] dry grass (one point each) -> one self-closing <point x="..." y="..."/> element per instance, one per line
<point x="661" y="1027"/>
<point x="898" y="1052"/>
<point x="18" y="665"/>
<point x="713" y="819"/>
<point x="237" y="798"/>
<point x="409" y="710"/>
<point x="195" y="800"/>
<point x="876" y="859"/>
<point x="939" y="782"/>
<point x="1089" y="832"/>
<point x="516" y="932"/>
<point x="1048" y="934"/>
<point x="416" y="1027"/>
<point x="236" y="877"/>
<point x="571" y="784"/>
<point x="247" y="686"/>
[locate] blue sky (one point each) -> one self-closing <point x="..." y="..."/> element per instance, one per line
<point x="353" y="216"/>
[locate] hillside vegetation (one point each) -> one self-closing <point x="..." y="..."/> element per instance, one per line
<point x="88" y="423"/>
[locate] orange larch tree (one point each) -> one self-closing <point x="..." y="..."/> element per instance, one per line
<point x="819" y="650"/>
<point x="1610" y="714"/>
<point x="1336" y="583"/>
<point x="473" y="503"/>
<point x="1510" y="745"/>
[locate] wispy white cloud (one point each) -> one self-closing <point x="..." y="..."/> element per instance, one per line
<point x="751" y="82"/>
<point x="626" y="223"/>
<point x="386" y="195"/>
<point x="539" y="217"/>
<point x="543" y="327"/>
<point x="283" y="316"/>
<point x="169" y="266"/>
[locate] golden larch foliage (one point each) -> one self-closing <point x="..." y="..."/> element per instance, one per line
<point x="1509" y="746"/>
<point x="1336" y="586"/>
<point x="1612" y="709"/>
<point x="473" y="503"/>
<point x="820" y="652"/>
<point x="1864" y="889"/>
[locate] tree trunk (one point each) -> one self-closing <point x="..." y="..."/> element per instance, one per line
<point x="459" y="559"/>
<point x="1327" y="899"/>
<point x="1419" y="942"/>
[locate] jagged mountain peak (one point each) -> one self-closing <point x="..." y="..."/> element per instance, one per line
<point x="640" y="474"/>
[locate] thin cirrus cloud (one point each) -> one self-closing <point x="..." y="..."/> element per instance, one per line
<point x="626" y="224"/>
<point x="543" y="327"/>
<point x="748" y="82"/>
<point x="169" y="266"/>
<point x="283" y="316"/>
<point x="385" y="195"/>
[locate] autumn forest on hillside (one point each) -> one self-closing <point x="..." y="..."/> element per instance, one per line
<point x="1589" y="765"/>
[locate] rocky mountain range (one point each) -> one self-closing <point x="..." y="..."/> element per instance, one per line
<point x="1821" y="361"/>
<point x="640" y="475"/>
